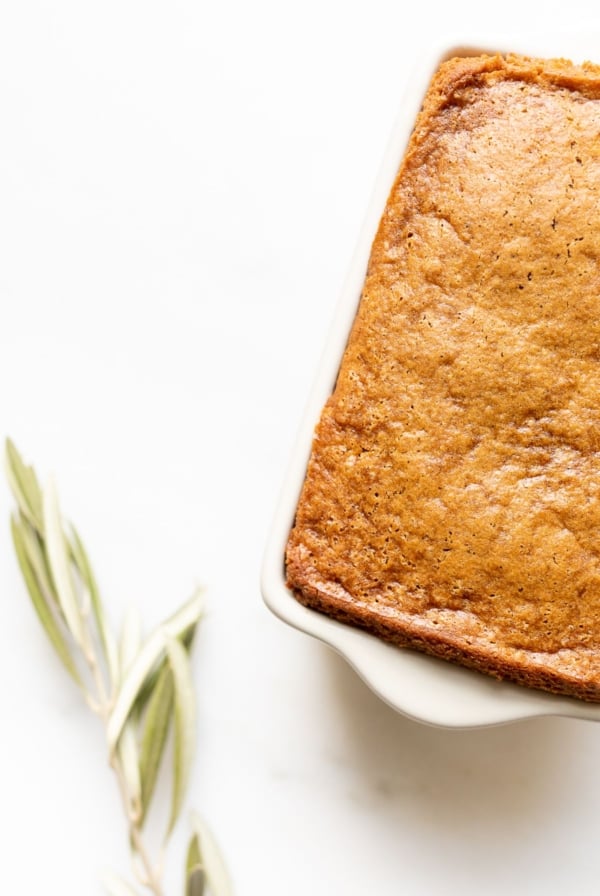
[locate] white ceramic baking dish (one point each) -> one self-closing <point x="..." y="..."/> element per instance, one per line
<point x="424" y="688"/>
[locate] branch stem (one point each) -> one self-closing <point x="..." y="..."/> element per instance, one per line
<point x="149" y="875"/>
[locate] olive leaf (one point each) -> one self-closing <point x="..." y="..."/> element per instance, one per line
<point x="130" y="763"/>
<point x="133" y="680"/>
<point x="185" y="725"/>
<point x="151" y="686"/>
<point x="58" y="558"/>
<point x="107" y="640"/>
<point x="24" y="486"/>
<point x="154" y="737"/>
<point x="194" y="855"/>
<point x="147" y="689"/>
<point x="39" y="563"/>
<point x="39" y="600"/>
<point x="196" y="882"/>
<point x="211" y="859"/>
<point x="195" y="877"/>
<point x="146" y="662"/>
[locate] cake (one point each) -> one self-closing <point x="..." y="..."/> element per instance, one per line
<point x="452" y="496"/>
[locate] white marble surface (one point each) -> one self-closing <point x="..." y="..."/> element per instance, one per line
<point x="181" y="186"/>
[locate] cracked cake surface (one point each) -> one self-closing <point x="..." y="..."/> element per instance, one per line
<point x="452" y="497"/>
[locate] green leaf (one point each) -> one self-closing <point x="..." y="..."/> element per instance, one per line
<point x="43" y="610"/>
<point x="185" y="725"/>
<point x="154" y="738"/>
<point x="194" y="872"/>
<point x="145" y="664"/>
<point x="147" y="689"/>
<point x="187" y="639"/>
<point x="81" y="560"/>
<point x="116" y="887"/>
<point x="147" y="659"/>
<point x="196" y="882"/>
<point x="58" y="558"/>
<point x="130" y="764"/>
<point x="39" y="564"/>
<point x="212" y="860"/>
<point x="24" y="486"/>
<point x="194" y="856"/>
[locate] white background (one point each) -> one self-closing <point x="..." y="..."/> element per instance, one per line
<point x="181" y="187"/>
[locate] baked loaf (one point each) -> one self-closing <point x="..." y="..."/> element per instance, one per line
<point x="452" y="498"/>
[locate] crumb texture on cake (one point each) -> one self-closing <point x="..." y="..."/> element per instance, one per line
<point x="452" y="498"/>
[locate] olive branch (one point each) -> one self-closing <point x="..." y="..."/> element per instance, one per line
<point x="141" y="690"/>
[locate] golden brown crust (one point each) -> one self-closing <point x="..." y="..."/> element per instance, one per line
<point x="452" y="499"/>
